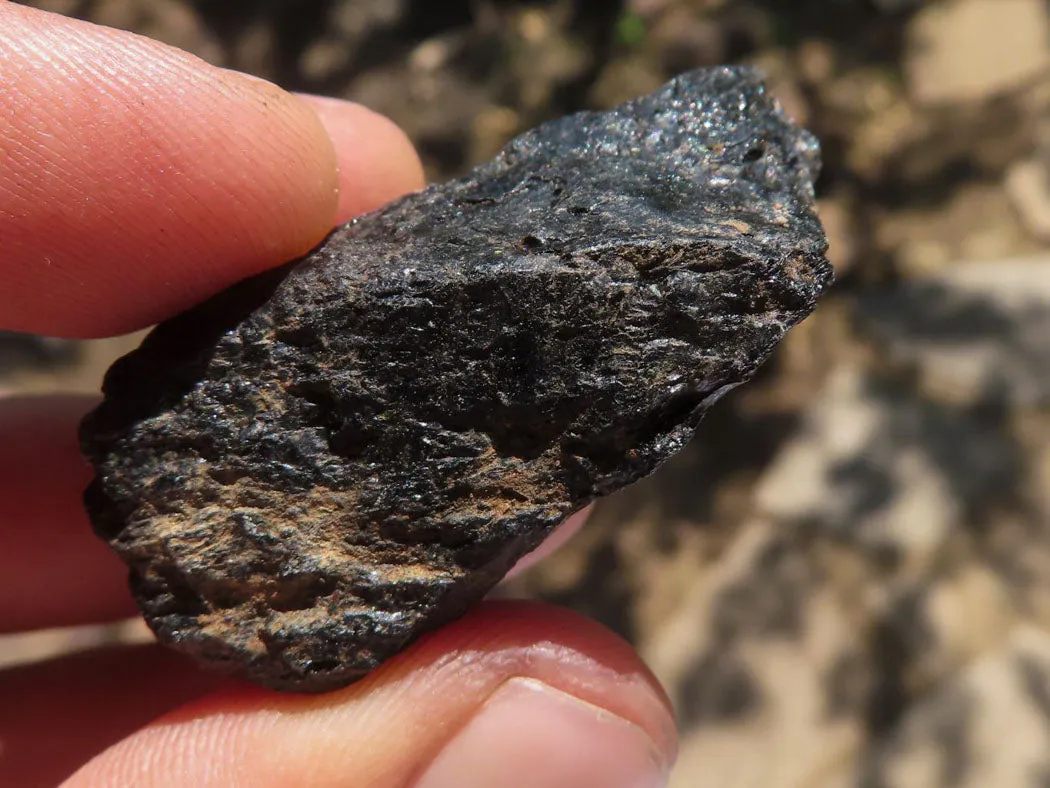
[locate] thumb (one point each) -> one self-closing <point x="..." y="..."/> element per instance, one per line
<point x="137" y="180"/>
<point x="516" y="694"/>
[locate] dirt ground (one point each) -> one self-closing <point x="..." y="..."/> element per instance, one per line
<point x="845" y="580"/>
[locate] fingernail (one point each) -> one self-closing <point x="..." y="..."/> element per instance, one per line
<point x="530" y="735"/>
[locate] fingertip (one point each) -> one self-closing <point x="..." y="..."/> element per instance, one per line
<point x="377" y="161"/>
<point x="54" y="571"/>
<point x="529" y="735"/>
<point x="409" y="722"/>
<point x="554" y="541"/>
<point x="140" y="180"/>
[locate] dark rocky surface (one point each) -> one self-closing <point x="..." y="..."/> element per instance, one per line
<point x="321" y="463"/>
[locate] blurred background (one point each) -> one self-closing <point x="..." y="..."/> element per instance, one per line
<point x="845" y="579"/>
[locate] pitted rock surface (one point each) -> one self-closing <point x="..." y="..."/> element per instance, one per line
<point x="323" y="462"/>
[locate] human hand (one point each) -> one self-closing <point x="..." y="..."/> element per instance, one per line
<point x="134" y="181"/>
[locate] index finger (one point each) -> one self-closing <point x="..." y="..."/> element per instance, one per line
<point x="137" y="180"/>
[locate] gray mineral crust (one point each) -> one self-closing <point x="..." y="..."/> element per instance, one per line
<point x="321" y="463"/>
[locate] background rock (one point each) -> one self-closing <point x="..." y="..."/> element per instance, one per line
<point x="978" y="332"/>
<point x="1008" y="42"/>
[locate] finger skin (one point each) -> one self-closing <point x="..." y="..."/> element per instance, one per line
<point x="57" y="715"/>
<point x="138" y="180"/>
<point x="376" y="160"/>
<point x="54" y="571"/>
<point x="383" y="730"/>
<point x="555" y="541"/>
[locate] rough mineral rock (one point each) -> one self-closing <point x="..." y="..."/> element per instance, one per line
<point x="321" y="463"/>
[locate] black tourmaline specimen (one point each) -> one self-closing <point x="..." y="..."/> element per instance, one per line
<point x="321" y="463"/>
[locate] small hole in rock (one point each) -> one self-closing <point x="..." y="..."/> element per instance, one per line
<point x="755" y="153"/>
